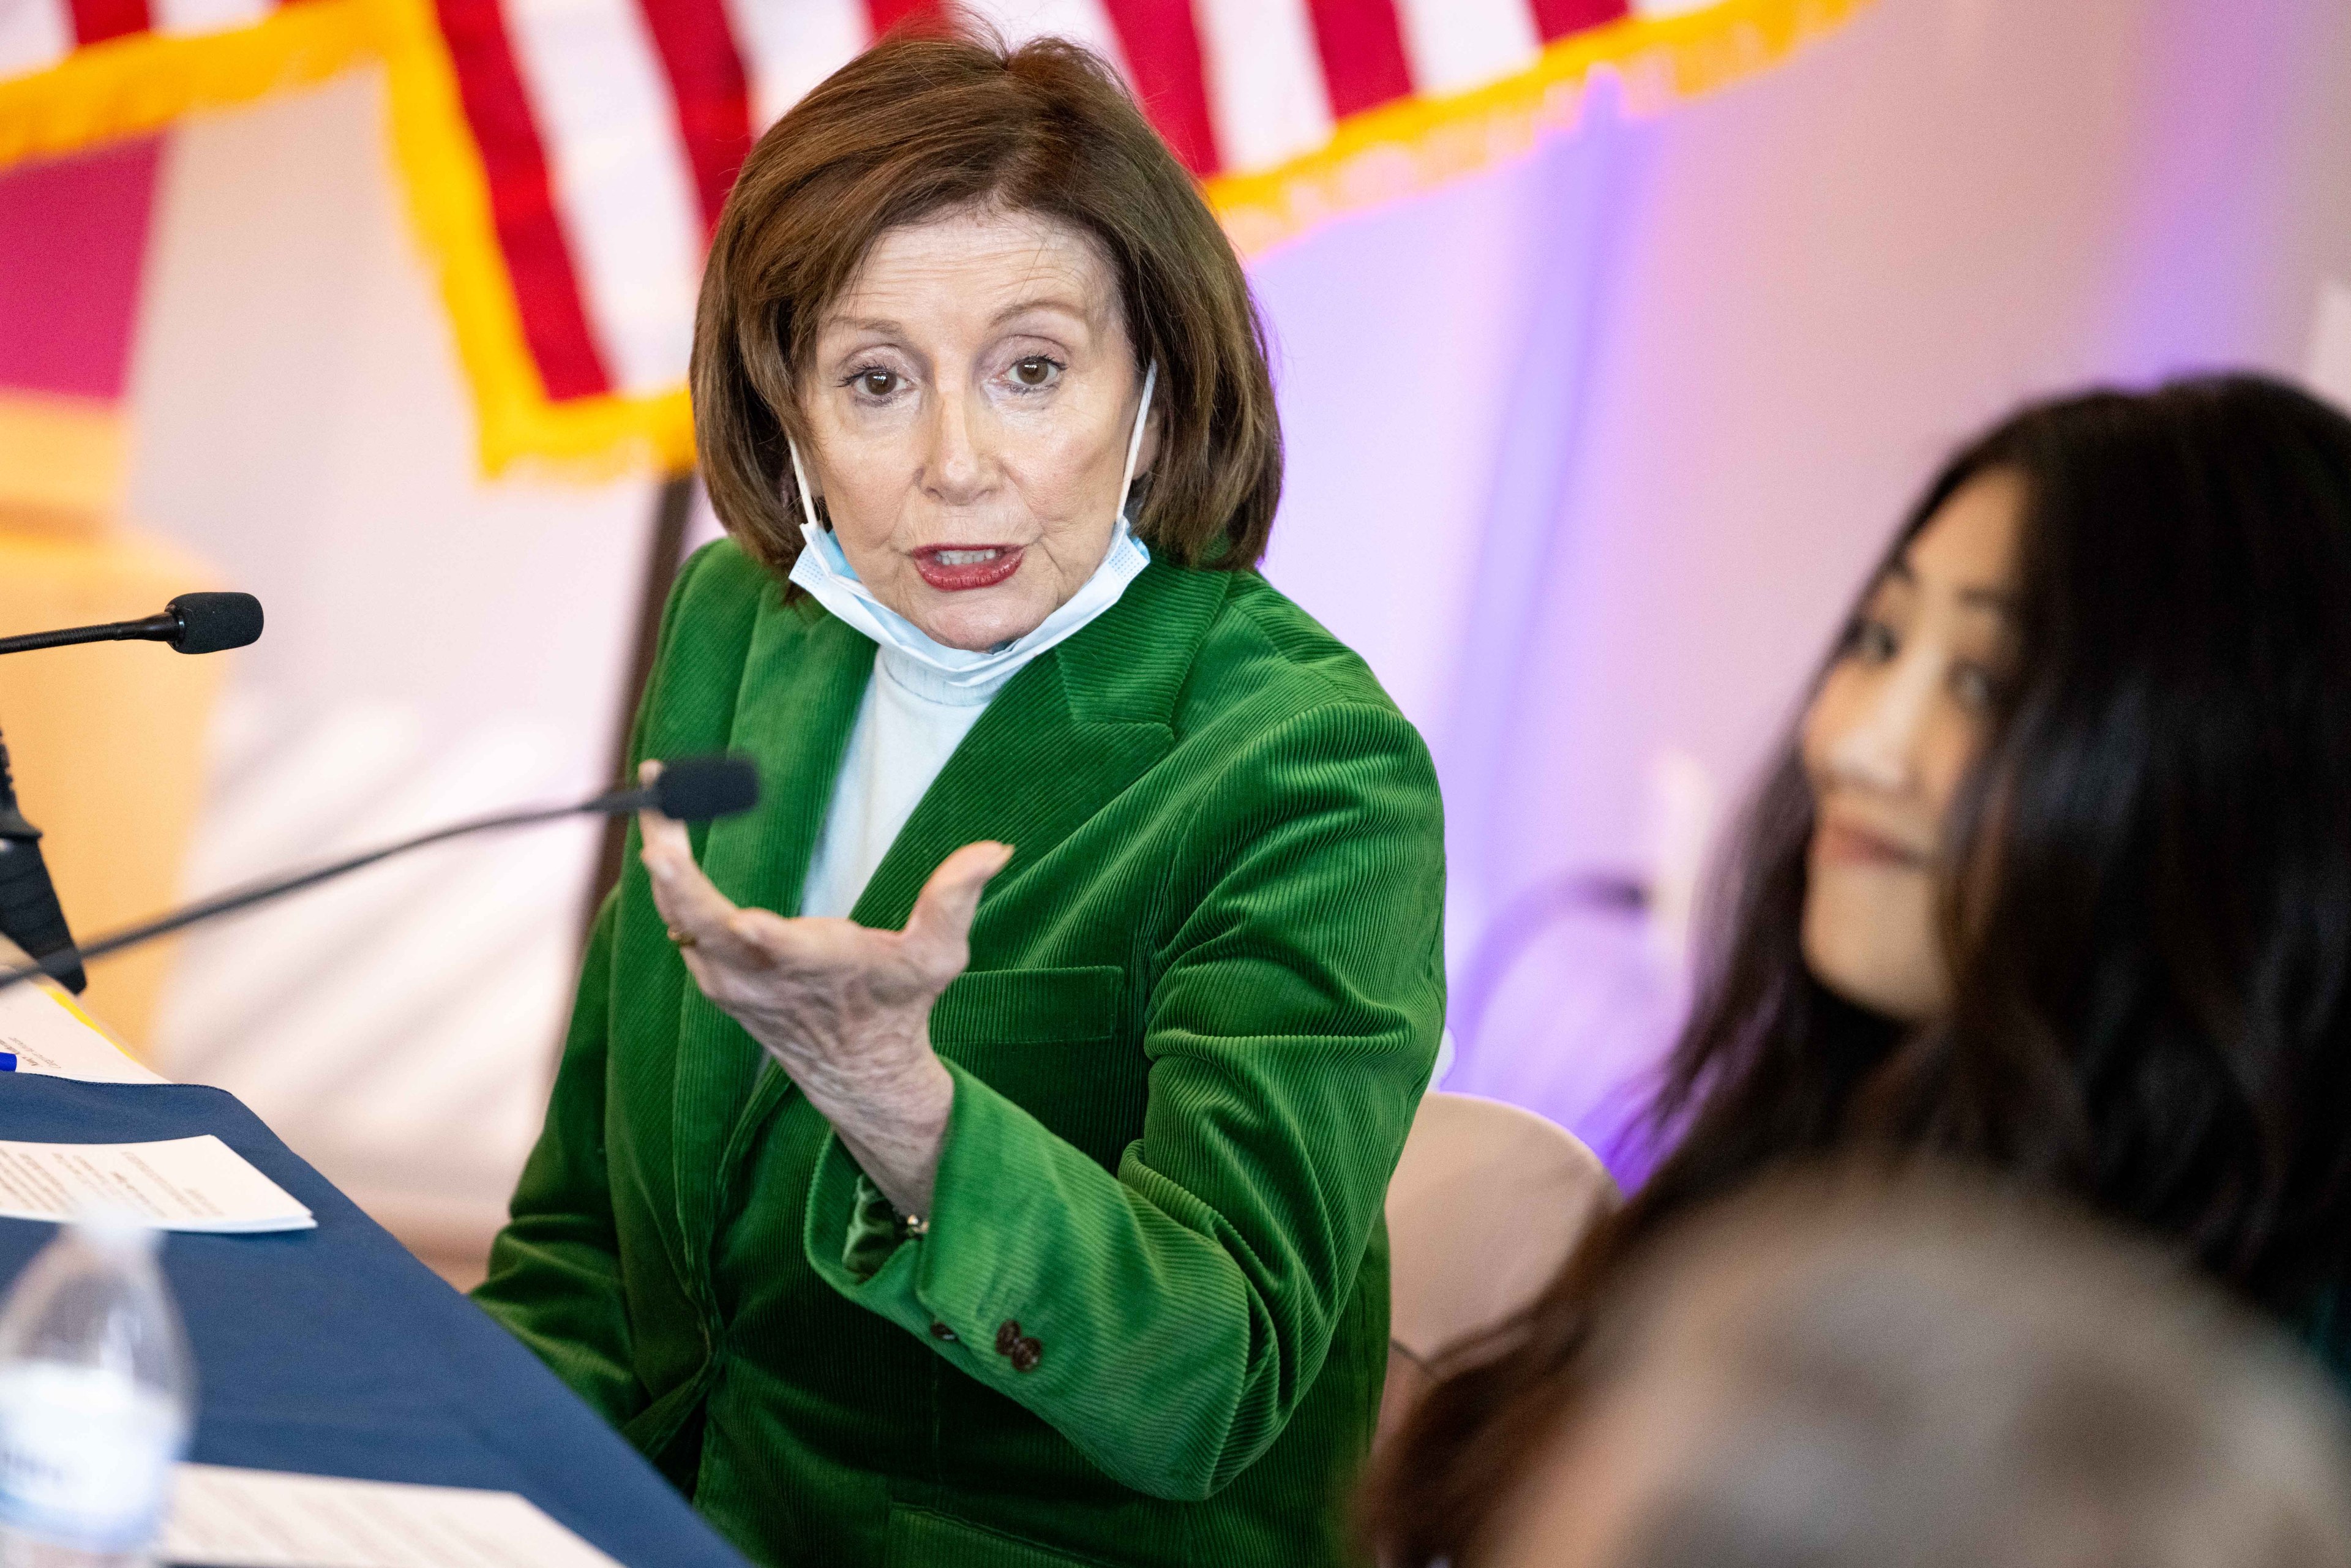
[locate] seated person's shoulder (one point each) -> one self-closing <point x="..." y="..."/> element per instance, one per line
<point x="1274" y="704"/>
<point x="720" y="579"/>
<point x="707" y="629"/>
<point x="1265" y="661"/>
<point x="714" y="608"/>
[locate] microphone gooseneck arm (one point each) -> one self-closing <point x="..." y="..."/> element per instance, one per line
<point x="698" y="789"/>
<point x="154" y="628"/>
<point x="229" y="903"/>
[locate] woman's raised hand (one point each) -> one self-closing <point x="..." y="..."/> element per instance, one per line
<point x="845" y="1010"/>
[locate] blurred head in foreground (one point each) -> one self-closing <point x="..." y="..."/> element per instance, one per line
<point x="1835" y="1370"/>
<point x="2053" y="876"/>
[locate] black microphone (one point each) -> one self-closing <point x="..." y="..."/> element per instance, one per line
<point x="192" y="624"/>
<point x="30" y="916"/>
<point x="692" y="789"/>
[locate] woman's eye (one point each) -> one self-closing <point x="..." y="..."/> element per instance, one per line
<point x="1035" y="371"/>
<point x="1873" y="641"/>
<point x="876" y="382"/>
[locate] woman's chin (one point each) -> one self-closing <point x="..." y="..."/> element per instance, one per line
<point x="1900" y="981"/>
<point x="976" y="627"/>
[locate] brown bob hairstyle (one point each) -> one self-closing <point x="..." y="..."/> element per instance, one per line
<point x="919" y="125"/>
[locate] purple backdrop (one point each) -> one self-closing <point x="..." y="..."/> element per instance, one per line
<point x="1588" y="452"/>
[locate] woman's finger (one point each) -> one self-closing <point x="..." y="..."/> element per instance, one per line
<point x="665" y="837"/>
<point x="689" y="902"/>
<point x="664" y="841"/>
<point x="938" y="930"/>
<point x="692" y="907"/>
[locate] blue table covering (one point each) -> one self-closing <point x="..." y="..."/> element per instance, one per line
<point x="335" y="1351"/>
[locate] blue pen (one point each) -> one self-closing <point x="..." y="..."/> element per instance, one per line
<point x="7" y="1061"/>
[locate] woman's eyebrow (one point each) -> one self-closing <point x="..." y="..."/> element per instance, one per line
<point x="1053" y="302"/>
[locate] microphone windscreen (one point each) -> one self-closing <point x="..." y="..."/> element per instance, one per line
<point x="212" y="622"/>
<point x="696" y="788"/>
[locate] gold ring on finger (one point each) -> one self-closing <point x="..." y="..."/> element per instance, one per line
<point x="682" y="939"/>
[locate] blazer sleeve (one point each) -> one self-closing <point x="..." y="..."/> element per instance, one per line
<point x="555" y="1269"/>
<point x="1170" y="1318"/>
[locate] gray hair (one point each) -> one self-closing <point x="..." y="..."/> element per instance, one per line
<point x="1926" y="1372"/>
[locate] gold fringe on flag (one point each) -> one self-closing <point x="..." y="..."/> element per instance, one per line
<point x="1420" y="142"/>
<point x="143" y="81"/>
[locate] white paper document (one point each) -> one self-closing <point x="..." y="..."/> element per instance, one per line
<point x="223" y="1517"/>
<point x="48" y="1034"/>
<point x="180" y="1184"/>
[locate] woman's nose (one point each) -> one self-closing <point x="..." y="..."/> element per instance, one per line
<point x="1879" y="746"/>
<point x="958" y="467"/>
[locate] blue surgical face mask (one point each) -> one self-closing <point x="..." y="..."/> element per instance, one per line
<point x="828" y="577"/>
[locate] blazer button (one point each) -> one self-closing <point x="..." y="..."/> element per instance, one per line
<point x="1027" y="1354"/>
<point x="942" y="1334"/>
<point x="1008" y="1337"/>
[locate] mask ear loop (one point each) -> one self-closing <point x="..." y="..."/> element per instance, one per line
<point x="808" y="507"/>
<point x="1134" y="441"/>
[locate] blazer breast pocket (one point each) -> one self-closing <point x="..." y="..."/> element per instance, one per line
<point x="1054" y="1042"/>
<point x="921" y="1539"/>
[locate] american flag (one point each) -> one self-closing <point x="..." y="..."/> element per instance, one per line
<point x="566" y="158"/>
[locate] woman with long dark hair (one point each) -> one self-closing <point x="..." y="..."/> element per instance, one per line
<point x="2054" y="877"/>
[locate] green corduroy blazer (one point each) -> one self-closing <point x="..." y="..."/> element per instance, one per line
<point x="1148" y="1321"/>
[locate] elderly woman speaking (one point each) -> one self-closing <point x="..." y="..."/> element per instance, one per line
<point x="975" y="1156"/>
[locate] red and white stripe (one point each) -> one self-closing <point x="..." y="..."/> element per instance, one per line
<point x="611" y="130"/>
<point x="37" y="34"/>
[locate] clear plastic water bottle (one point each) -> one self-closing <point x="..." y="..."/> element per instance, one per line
<point x="95" y="1401"/>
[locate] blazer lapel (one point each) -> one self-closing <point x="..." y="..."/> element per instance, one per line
<point x="1063" y="739"/>
<point x="802" y="685"/>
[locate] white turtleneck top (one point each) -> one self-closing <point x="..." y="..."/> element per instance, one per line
<point x="909" y="724"/>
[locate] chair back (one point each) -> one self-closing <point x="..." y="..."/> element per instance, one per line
<point x="1488" y="1201"/>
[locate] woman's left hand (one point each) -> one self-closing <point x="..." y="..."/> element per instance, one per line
<point x="844" y="1009"/>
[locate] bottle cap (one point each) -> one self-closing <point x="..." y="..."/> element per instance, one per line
<point x="115" y="1232"/>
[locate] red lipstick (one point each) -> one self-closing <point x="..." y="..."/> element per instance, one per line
<point x="958" y="568"/>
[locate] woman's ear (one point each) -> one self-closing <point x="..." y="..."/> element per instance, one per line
<point x="1148" y="453"/>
